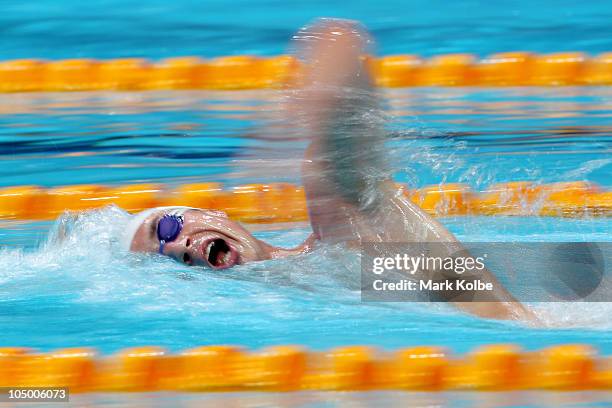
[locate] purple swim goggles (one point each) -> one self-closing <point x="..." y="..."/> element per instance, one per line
<point x="168" y="229"/>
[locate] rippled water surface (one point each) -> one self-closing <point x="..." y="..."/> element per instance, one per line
<point x="473" y="136"/>
<point x="79" y="292"/>
<point x="160" y="28"/>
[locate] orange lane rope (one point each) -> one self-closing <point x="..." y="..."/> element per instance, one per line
<point x="284" y="202"/>
<point x="497" y="367"/>
<point x="250" y="72"/>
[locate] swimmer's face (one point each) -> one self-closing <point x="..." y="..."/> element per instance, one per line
<point x="208" y="238"/>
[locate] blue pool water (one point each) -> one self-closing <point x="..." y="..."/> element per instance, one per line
<point x="160" y="28"/>
<point x="78" y="292"/>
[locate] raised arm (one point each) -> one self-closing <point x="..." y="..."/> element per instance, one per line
<point x="350" y="194"/>
<point x="346" y="173"/>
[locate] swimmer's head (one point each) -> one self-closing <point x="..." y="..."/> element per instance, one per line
<point x="194" y="237"/>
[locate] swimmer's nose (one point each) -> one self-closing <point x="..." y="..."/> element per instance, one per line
<point x="182" y="250"/>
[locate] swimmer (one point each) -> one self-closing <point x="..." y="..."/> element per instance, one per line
<point x="350" y="195"/>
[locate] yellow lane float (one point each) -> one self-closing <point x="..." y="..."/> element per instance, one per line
<point x="250" y="72"/>
<point x="498" y="367"/>
<point x="285" y="202"/>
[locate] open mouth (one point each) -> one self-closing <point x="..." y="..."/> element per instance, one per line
<point x="219" y="254"/>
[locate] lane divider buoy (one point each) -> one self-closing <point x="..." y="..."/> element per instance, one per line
<point x="285" y="202"/>
<point x="251" y="72"/>
<point x="496" y="367"/>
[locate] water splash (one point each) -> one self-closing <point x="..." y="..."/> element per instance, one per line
<point x="76" y="288"/>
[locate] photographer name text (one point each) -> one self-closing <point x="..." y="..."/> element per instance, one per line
<point x="433" y="285"/>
